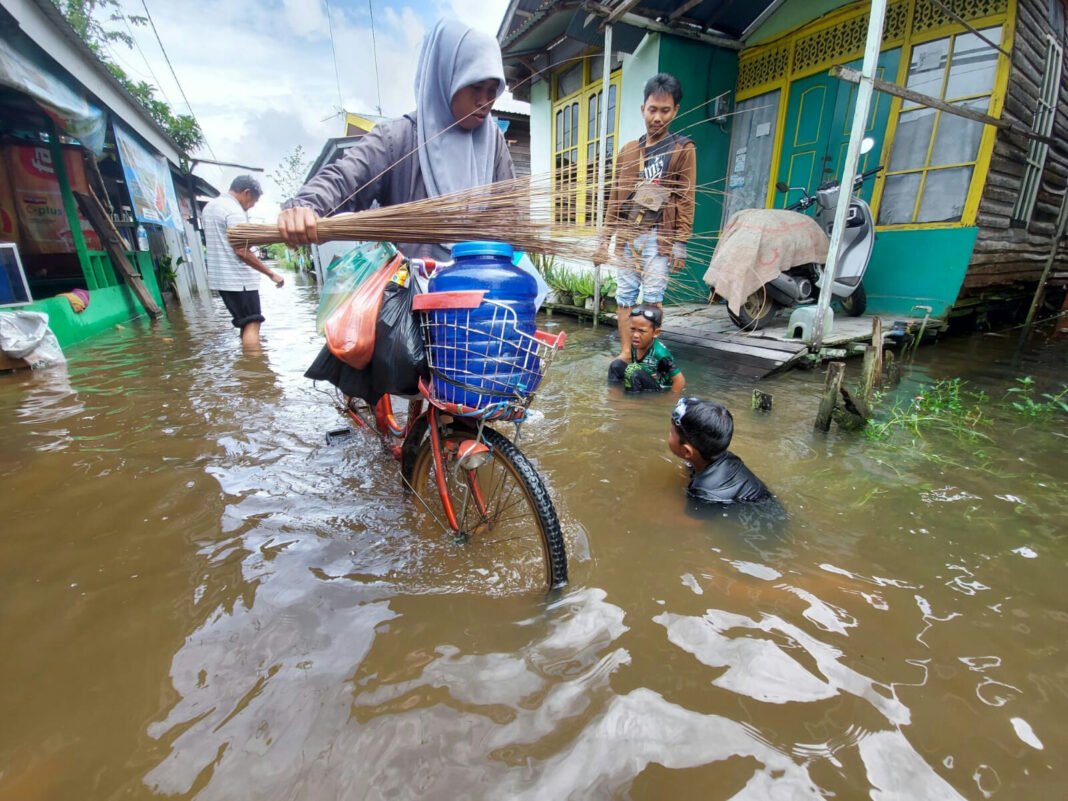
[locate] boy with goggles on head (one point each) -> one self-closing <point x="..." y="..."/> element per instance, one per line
<point x="701" y="432"/>
<point x="649" y="366"/>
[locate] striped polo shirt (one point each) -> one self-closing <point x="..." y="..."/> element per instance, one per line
<point x="225" y="270"/>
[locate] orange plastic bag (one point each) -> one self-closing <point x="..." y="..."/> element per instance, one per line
<point x="350" y="331"/>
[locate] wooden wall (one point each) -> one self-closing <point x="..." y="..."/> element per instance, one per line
<point x="518" y="139"/>
<point x="1004" y="254"/>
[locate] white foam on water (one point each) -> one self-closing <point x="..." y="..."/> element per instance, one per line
<point x="1026" y="733"/>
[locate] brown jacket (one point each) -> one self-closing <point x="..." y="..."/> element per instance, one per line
<point x="676" y="222"/>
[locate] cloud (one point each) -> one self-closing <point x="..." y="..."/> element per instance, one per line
<point x="261" y="79"/>
<point x="306" y="17"/>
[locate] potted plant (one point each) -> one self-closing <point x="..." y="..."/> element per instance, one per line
<point x="564" y="282"/>
<point x="608" y="293"/>
<point x="583" y="290"/>
<point x="546" y="266"/>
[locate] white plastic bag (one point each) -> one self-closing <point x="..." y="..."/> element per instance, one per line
<point x="527" y="266"/>
<point x="26" y="335"/>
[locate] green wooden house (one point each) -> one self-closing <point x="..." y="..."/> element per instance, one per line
<point x="66" y="123"/>
<point x="965" y="211"/>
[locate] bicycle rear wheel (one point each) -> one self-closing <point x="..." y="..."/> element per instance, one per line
<point x="502" y="508"/>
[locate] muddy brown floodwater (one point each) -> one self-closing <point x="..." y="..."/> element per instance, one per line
<point x="200" y="598"/>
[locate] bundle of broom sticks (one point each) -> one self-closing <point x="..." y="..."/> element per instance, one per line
<point x="535" y="214"/>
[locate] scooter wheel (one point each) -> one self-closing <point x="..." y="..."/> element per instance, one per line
<point x="756" y="312"/>
<point x="856" y="303"/>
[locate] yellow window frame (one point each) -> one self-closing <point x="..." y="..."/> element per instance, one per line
<point x="981" y="165"/>
<point x="576" y="143"/>
<point x="777" y="58"/>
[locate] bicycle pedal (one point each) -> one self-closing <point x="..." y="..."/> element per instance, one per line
<point x="338" y="435"/>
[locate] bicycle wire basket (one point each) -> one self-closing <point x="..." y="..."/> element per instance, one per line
<point x="482" y="364"/>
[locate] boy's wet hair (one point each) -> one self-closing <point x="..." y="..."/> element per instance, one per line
<point x="664" y="83"/>
<point x="706" y="425"/>
<point x="653" y="314"/>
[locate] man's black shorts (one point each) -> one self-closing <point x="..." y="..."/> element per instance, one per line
<point x="243" y="305"/>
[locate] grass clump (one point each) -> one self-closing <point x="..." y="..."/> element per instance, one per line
<point x="946" y="406"/>
<point x="1022" y="400"/>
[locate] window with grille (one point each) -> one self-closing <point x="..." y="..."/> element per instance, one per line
<point x="932" y="163"/>
<point x="578" y="108"/>
<point x="1046" y="110"/>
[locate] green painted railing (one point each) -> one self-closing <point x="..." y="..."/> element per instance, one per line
<point x="101" y="272"/>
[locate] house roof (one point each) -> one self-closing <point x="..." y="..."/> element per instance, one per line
<point x="531" y="24"/>
<point x="47" y="28"/>
<point x="333" y="149"/>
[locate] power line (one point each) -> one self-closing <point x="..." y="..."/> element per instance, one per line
<point x="174" y="75"/>
<point x="151" y="72"/>
<point x="337" y="72"/>
<point x="374" y="52"/>
<point x="123" y="64"/>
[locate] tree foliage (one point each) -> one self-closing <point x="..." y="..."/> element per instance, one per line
<point x="290" y="172"/>
<point x="85" y="17"/>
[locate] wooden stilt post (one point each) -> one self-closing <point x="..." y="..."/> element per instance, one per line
<point x="868" y="375"/>
<point x="835" y="371"/>
<point x="877" y="343"/>
<point x="891" y="371"/>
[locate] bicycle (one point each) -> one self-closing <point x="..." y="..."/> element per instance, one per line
<point x="472" y="479"/>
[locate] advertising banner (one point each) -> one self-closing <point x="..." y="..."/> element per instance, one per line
<point x="38" y="201"/>
<point x="148" y="177"/>
<point x="9" y="216"/>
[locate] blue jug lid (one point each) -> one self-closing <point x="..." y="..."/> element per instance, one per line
<point x="482" y="249"/>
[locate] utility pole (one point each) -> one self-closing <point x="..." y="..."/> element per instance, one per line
<point x="860" y="118"/>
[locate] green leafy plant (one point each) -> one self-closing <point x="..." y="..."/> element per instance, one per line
<point x="290" y="258"/>
<point x="546" y="265"/>
<point x="1022" y="400"/>
<point x="582" y="286"/>
<point x="947" y="406"/>
<point x="168" y="272"/>
<point x="608" y="286"/>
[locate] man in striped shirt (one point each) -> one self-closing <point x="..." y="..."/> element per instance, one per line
<point x="234" y="272"/>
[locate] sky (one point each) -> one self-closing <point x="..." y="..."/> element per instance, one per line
<point x="260" y="75"/>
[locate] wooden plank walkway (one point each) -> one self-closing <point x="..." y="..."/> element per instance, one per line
<point x="756" y="354"/>
<point x="765" y="352"/>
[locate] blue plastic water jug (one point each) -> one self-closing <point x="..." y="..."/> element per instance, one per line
<point x="481" y="356"/>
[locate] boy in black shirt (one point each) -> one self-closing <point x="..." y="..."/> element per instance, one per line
<point x="701" y="431"/>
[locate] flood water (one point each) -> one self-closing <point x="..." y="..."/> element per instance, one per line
<point x="199" y="597"/>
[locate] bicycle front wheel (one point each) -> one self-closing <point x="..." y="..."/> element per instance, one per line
<point x="502" y="509"/>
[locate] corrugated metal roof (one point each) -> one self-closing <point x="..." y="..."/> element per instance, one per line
<point x="730" y="19"/>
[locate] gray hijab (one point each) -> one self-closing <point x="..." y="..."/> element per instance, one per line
<point x="453" y="56"/>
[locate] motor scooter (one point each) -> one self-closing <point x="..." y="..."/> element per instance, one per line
<point x="799" y="285"/>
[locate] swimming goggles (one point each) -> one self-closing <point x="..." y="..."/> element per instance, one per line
<point x="655" y="316"/>
<point x="679" y="412"/>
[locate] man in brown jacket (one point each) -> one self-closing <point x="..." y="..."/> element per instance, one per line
<point x="650" y="208"/>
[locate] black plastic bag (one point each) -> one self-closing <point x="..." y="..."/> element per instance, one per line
<point x="399" y="359"/>
<point x="350" y="380"/>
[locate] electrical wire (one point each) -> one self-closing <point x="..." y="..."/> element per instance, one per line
<point x="337" y="72"/>
<point x="152" y="23"/>
<point x="151" y="72"/>
<point x="374" y="53"/>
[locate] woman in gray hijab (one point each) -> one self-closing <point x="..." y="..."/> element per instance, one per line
<point x="448" y="144"/>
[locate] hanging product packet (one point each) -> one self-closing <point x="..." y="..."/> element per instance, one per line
<point x="345" y="275"/>
<point x="350" y="330"/>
